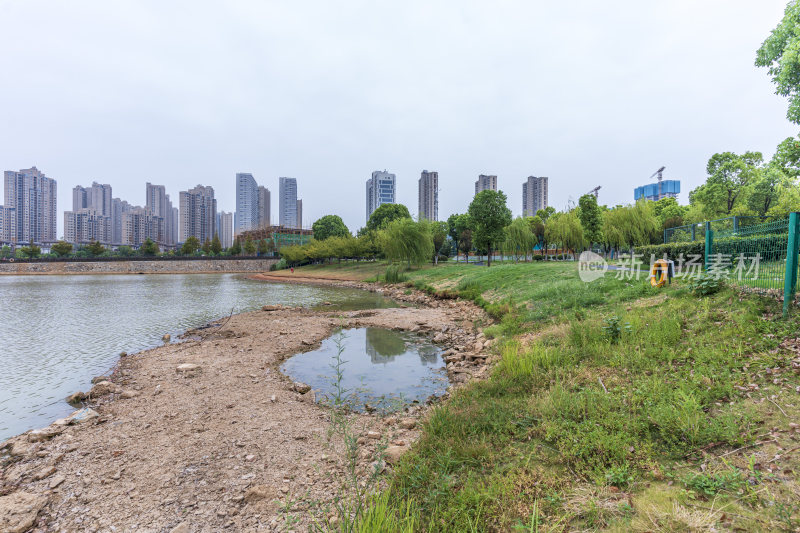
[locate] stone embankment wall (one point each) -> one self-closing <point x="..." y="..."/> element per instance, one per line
<point x="139" y="267"/>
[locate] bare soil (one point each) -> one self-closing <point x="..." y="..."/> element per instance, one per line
<point x="229" y="444"/>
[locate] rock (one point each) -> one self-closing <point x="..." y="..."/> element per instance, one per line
<point x="414" y="329"/>
<point x="188" y="368"/>
<point x="272" y="308"/>
<point x="272" y="398"/>
<point x="123" y="354"/>
<point x="166" y="338"/>
<point x="39" y="435"/>
<point x="44" y="472"/>
<point x="453" y="358"/>
<point x="56" y="481"/>
<point x="183" y="527"/>
<point x="83" y="415"/>
<point x="373" y="435"/>
<point x="439" y="337"/>
<point x="300" y="387"/>
<point x="394" y="453"/>
<point x="76" y="398"/>
<point x="19" y="449"/>
<point x="310" y="397"/>
<point x="306" y="342"/>
<point x="102" y="388"/>
<point x="257" y="493"/>
<point x="98" y="379"/>
<point x="128" y="394"/>
<point x="18" y="511"/>
<point x="408" y="423"/>
<point x="478" y="346"/>
<point x="250" y="458"/>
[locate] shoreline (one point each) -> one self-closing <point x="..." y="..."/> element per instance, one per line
<point x="227" y="441"/>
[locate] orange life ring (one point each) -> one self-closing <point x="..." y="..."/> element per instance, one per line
<point x="659" y="273"/>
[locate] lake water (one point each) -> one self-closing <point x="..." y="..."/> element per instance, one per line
<point x="382" y="368"/>
<point x="58" y="332"/>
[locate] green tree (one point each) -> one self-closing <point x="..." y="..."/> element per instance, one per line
<point x="787" y="157"/>
<point x="459" y="227"/>
<point x="591" y="218"/>
<point x="148" y="247"/>
<point x="519" y="239"/>
<point x="439" y="235"/>
<point x="546" y="213"/>
<point x="5" y="251"/>
<point x="729" y="178"/>
<point x="329" y="226"/>
<point x="207" y="246"/>
<point x="236" y="247"/>
<point x="537" y="228"/>
<point x="263" y="247"/>
<point x="779" y="54"/>
<point x="61" y="248"/>
<point x="386" y="213"/>
<point x="30" y="252"/>
<point x="631" y="225"/>
<point x="249" y="247"/>
<point x="764" y="189"/>
<point x="190" y="246"/>
<point x="406" y="240"/>
<point x="216" y="245"/>
<point x="490" y="216"/>
<point x="95" y="249"/>
<point x="565" y="230"/>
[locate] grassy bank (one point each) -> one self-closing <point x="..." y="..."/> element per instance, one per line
<point x="682" y="421"/>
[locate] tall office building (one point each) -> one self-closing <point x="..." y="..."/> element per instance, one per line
<point x="287" y="202"/>
<point x="198" y="213"/>
<point x="380" y="190"/>
<point x="299" y="214"/>
<point x="534" y="195"/>
<point x="225" y="229"/>
<point x="656" y="191"/>
<point x="33" y="198"/>
<point x="263" y="207"/>
<point x="486" y="183"/>
<point x="429" y="196"/>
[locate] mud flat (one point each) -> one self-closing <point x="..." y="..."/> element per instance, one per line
<point x="207" y="434"/>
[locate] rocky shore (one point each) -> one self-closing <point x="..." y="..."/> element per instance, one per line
<point x="208" y="434"/>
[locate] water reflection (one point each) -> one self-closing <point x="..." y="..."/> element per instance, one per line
<point x="392" y="368"/>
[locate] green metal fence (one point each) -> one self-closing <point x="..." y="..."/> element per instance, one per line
<point x="697" y="231"/>
<point x="762" y="256"/>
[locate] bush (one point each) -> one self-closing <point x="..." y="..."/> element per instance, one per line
<point x="280" y="265"/>
<point x="614" y="328"/>
<point x="705" y="284"/>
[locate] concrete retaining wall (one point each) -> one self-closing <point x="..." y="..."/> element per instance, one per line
<point x="139" y="267"/>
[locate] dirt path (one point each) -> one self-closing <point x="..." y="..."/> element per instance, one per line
<point x="226" y="444"/>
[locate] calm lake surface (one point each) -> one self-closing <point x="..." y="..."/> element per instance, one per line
<point x="383" y="368"/>
<point x="58" y="332"/>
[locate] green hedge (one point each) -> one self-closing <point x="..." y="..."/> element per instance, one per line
<point x="672" y="249"/>
<point x="771" y="247"/>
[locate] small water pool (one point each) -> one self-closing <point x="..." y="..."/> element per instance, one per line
<point x="380" y="368"/>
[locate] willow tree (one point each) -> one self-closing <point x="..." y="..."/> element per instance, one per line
<point x="406" y="240"/>
<point x="519" y="239"/>
<point x="565" y="230"/>
<point x="630" y="225"/>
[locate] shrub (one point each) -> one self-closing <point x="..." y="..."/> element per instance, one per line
<point x="705" y="284"/>
<point x="614" y="328"/>
<point x="393" y="274"/>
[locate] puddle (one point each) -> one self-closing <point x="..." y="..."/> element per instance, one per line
<point x="381" y="369"/>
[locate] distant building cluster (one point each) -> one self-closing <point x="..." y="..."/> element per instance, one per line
<point x="657" y="191"/>
<point x="252" y="204"/>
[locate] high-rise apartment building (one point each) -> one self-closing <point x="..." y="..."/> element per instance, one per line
<point x="159" y="204"/>
<point x="246" y="216"/>
<point x="8" y="224"/>
<point x="33" y="198"/>
<point x="86" y="225"/>
<point x="198" y="213"/>
<point x="380" y="190"/>
<point x="263" y="207"/>
<point x="118" y="208"/>
<point x="140" y="224"/>
<point x="97" y="197"/>
<point x="287" y="202"/>
<point x="429" y="195"/>
<point x="534" y="195"/>
<point x="486" y="183"/>
<point x="225" y="229"/>
<point x="176" y="224"/>
<point x="299" y="214"/>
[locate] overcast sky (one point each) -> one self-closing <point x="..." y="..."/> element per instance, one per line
<point x="179" y="93"/>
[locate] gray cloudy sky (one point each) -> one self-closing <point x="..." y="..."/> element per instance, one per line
<point x="180" y="93"/>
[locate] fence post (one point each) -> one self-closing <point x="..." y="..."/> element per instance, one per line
<point x="736" y="224"/>
<point x="694" y="226"/>
<point x="790" y="278"/>
<point x="709" y="240"/>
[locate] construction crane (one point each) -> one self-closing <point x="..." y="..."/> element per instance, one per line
<point x="660" y="177"/>
<point x="595" y="191"/>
